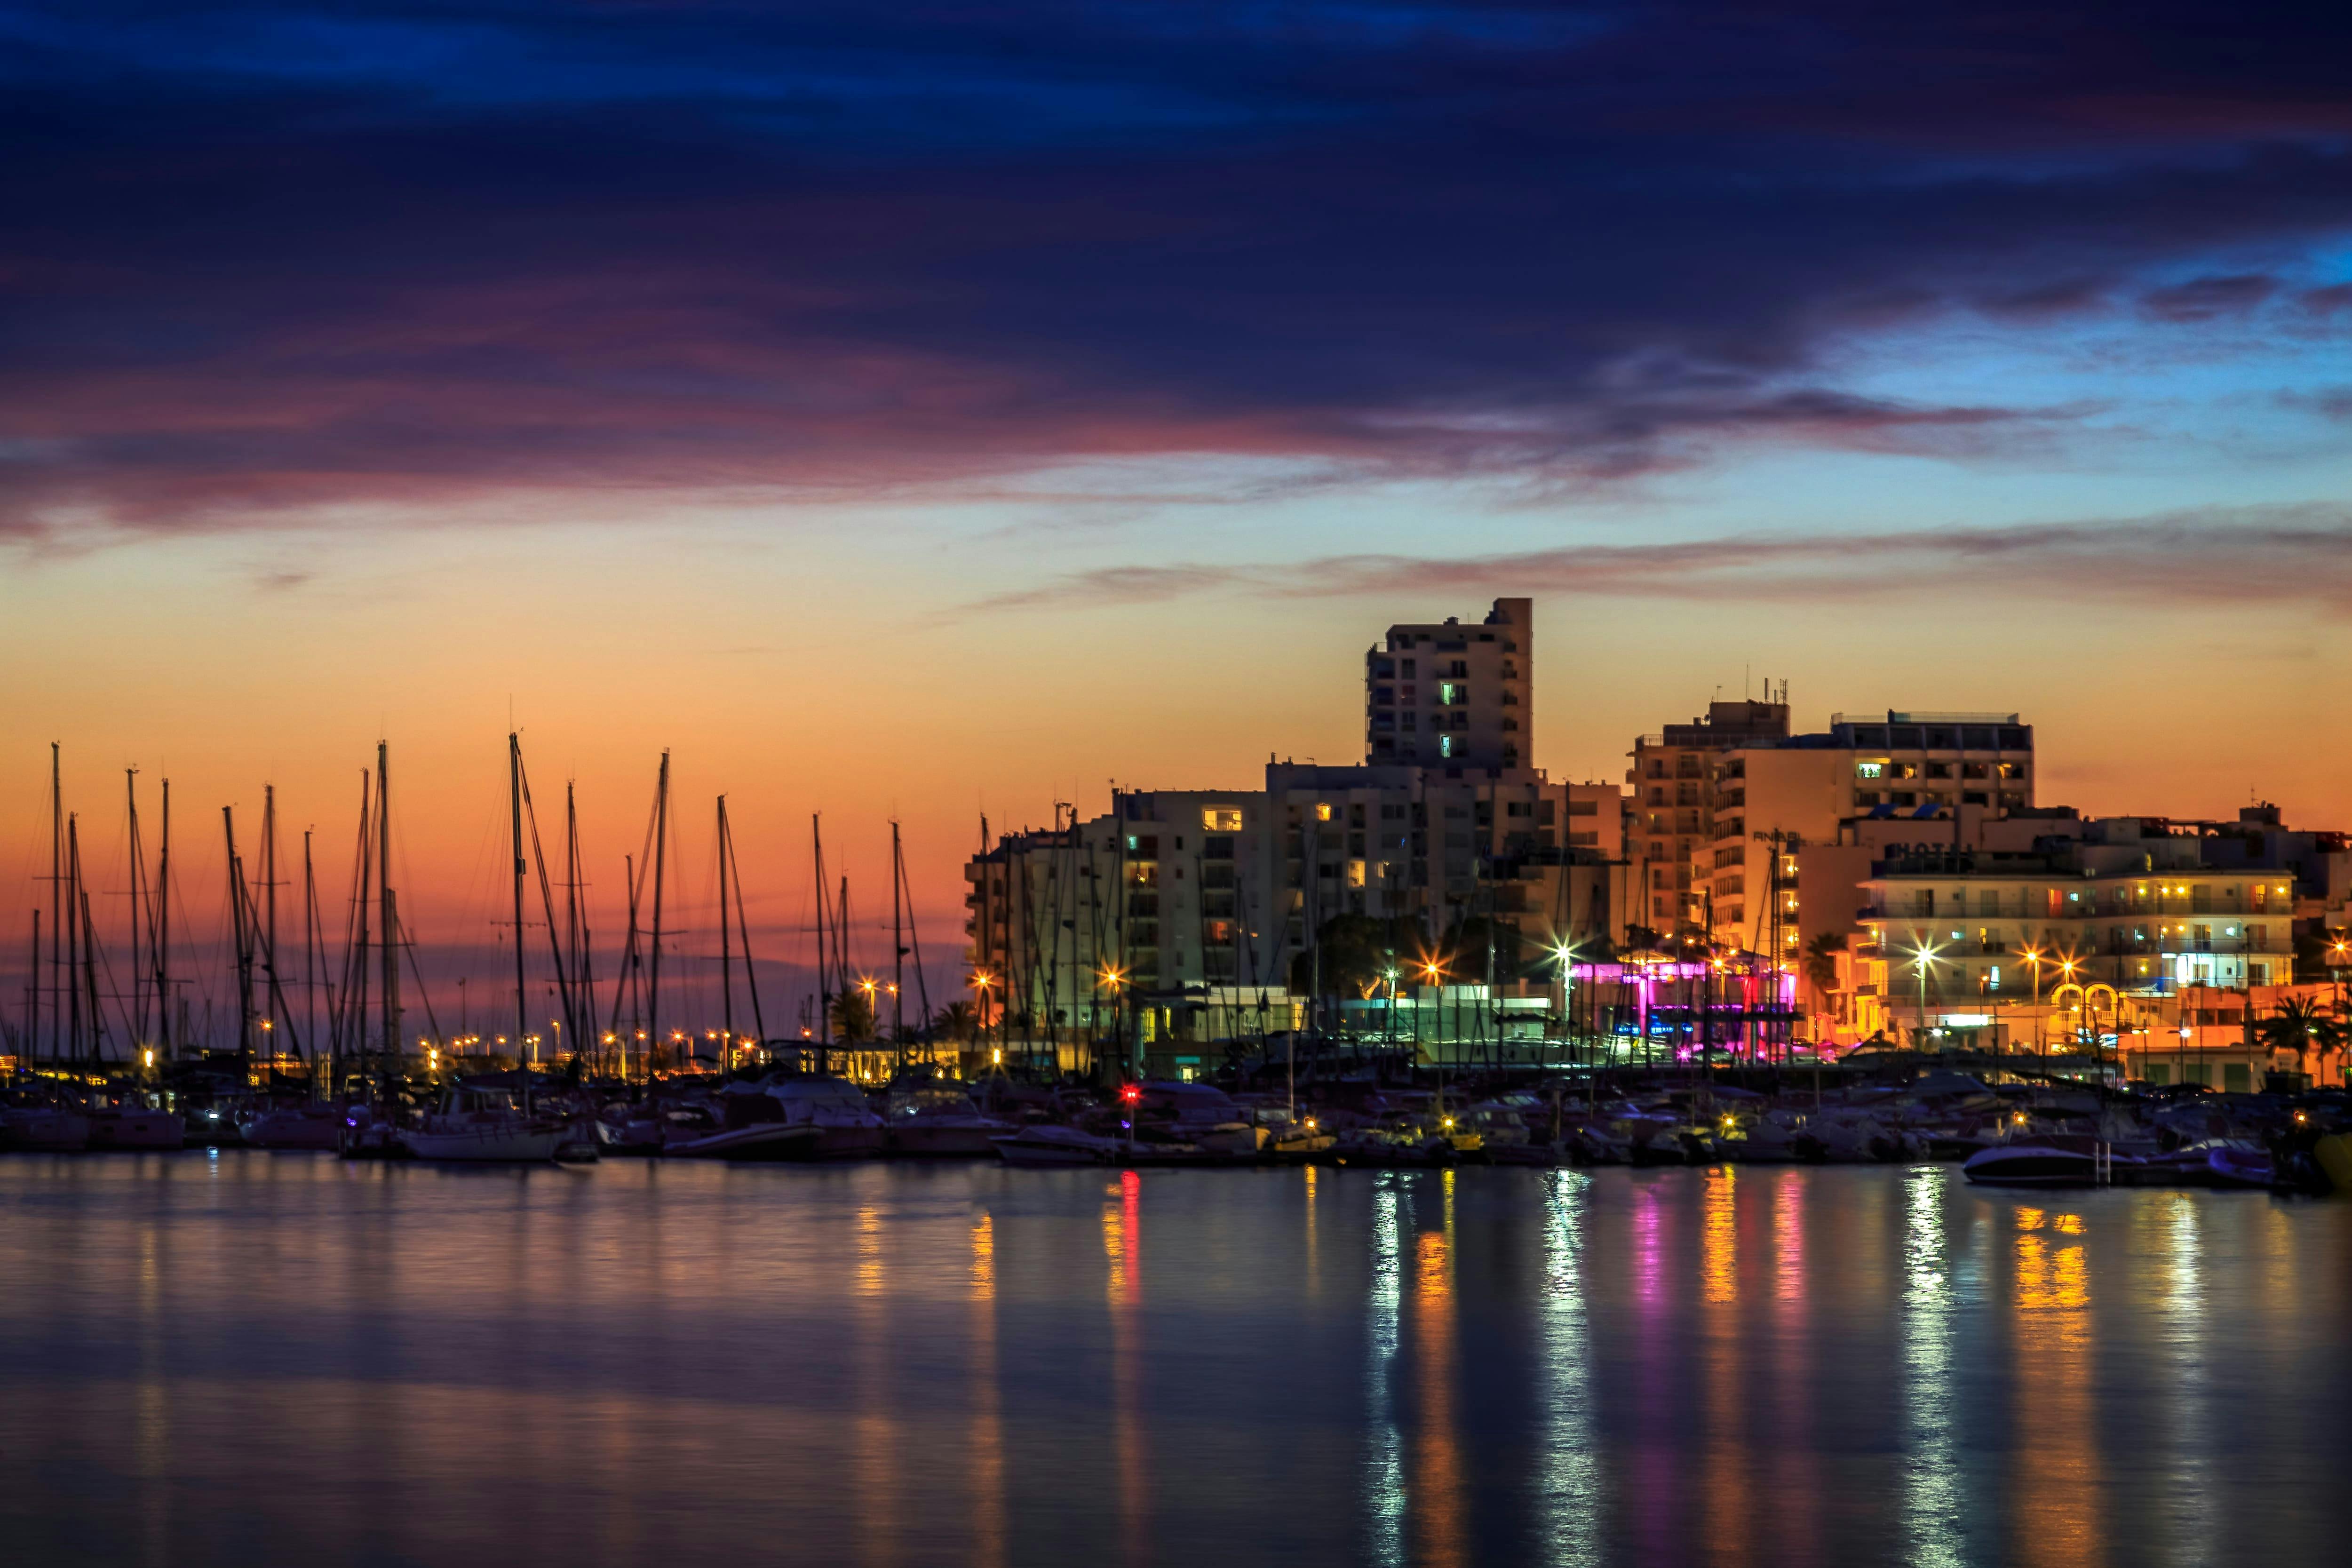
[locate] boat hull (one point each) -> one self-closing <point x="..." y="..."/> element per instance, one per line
<point x="139" y="1130"/>
<point x="46" y="1132"/>
<point x="488" y="1145"/>
<point x="765" y="1143"/>
<point x="295" y="1129"/>
<point x="2033" y="1167"/>
<point x="920" y="1140"/>
<point x="1037" y="1152"/>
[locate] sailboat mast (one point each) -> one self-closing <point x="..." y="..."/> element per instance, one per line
<point x="139" y="911"/>
<point x="243" y="939"/>
<point x="898" y="957"/>
<point x="272" y="996"/>
<point x="163" y="930"/>
<point x="575" y="954"/>
<point x="514" y="808"/>
<point x="743" y="932"/>
<point x="69" y="978"/>
<point x="311" y="964"/>
<point x="89" y="958"/>
<point x="824" y="954"/>
<point x="32" y="1001"/>
<point x="726" y="954"/>
<point x="661" y="847"/>
<point x="388" y="921"/>
<point x="58" y="928"/>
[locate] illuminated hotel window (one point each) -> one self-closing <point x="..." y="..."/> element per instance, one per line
<point x="1221" y="819"/>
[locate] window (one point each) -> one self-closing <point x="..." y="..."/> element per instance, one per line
<point x="1355" y="873"/>
<point x="1220" y="818"/>
<point x="1408" y="669"/>
<point x="1445" y="745"/>
<point x="1940" y="770"/>
<point x="1143" y="846"/>
<point x="1869" y="769"/>
<point x="1322" y="813"/>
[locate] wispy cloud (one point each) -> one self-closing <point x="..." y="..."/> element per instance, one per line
<point x="272" y="261"/>
<point x="2221" y="556"/>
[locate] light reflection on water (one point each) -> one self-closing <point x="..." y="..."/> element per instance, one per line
<point x="261" y="1360"/>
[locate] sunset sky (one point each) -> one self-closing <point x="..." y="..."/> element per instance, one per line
<point x="938" y="410"/>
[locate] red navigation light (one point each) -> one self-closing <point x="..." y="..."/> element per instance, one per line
<point x="1130" y="1094"/>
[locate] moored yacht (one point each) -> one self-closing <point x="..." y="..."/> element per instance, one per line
<point x="486" y="1125"/>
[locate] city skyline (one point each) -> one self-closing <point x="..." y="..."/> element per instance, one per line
<point x="955" y="411"/>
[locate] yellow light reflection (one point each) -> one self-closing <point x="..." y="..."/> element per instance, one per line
<point x="1437" y="1516"/>
<point x="1122" y="1224"/>
<point x="874" y="1443"/>
<point x="987" y="1405"/>
<point x="2056" y="1468"/>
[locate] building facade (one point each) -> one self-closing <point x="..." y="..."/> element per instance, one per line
<point x="1670" y="810"/>
<point x="1448" y="694"/>
<point x="1767" y="799"/>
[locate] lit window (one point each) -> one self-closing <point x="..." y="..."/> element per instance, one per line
<point x="1322" y="814"/>
<point x="1445" y="691"/>
<point x="1355" y="873"/>
<point x="1445" y="745"/>
<point x="1221" y="819"/>
<point x="1869" y="769"/>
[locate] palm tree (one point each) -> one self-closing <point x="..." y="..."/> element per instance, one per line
<point x="1821" y="965"/>
<point x="958" y="1021"/>
<point x="2299" y="1024"/>
<point x="853" y="1017"/>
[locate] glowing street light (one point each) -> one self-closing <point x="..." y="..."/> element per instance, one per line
<point x="1922" y="956"/>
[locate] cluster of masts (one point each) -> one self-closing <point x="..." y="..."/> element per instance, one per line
<point x="363" y="1039"/>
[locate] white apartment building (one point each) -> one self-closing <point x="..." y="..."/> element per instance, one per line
<point x="1179" y="916"/>
<point x="1451" y="696"/>
<point x="1670" y="813"/>
<point x="1770" y="797"/>
<point x="2121" y="915"/>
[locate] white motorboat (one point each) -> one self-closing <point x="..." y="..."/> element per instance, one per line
<point x="137" y="1127"/>
<point x="939" y="1121"/>
<point x="486" y="1125"/>
<point x="1054" y="1145"/>
<point x="846" y="1126"/>
<point x="752" y="1127"/>
<point x="2053" y="1162"/>
<point x="315" y="1124"/>
<point x="45" y="1129"/>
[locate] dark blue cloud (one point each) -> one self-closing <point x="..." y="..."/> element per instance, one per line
<point x="270" y="254"/>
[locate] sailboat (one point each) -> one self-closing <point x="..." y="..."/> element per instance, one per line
<point x="484" y="1123"/>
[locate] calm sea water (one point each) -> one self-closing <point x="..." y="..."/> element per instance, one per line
<point x="258" y="1359"/>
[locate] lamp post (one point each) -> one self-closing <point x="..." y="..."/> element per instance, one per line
<point x="2067" y="967"/>
<point x="1565" y="952"/>
<point x="1921" y="957"/>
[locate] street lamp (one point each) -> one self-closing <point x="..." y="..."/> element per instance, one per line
<point x="1922" y="956"/>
